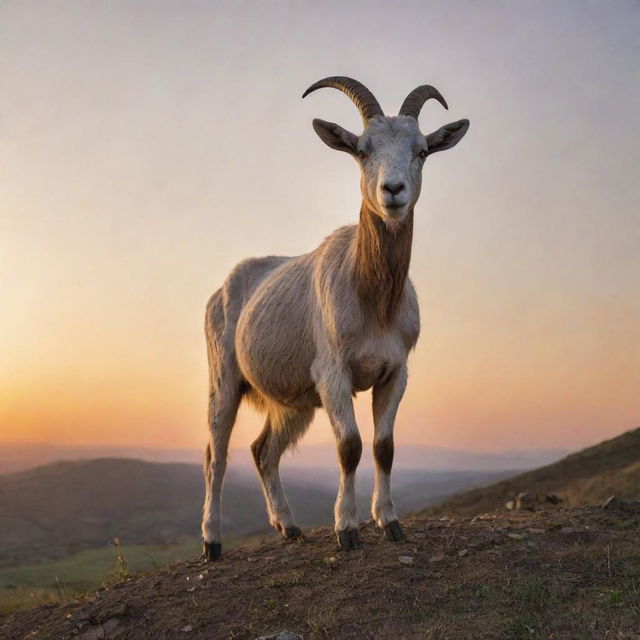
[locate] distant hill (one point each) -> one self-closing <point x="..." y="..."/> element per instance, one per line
<point x="16" y="457"/>
<point x="586" y="477"/>
<point x="61" y="508"/>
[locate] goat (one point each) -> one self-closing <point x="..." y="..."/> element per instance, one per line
<point x="291" y="334"/>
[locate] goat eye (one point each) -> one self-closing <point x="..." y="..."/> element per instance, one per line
<point x="423" y="153"/>
<point x="361" y="154"/>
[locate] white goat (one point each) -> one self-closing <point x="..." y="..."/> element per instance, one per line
<point x="291" y="334"/>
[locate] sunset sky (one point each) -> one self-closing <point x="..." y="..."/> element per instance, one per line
<point x="147" y="147"/>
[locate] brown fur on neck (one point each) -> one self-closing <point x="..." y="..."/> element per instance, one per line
<point x="382" y="263"/>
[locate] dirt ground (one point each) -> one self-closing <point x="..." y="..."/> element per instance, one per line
<point x="558" y="573"/>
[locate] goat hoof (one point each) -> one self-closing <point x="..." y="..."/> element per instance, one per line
<point x="211" y="551"/>
<point x="292" y="533"/>
<point x="393" y="531"/>
<point x="349" y="539"/>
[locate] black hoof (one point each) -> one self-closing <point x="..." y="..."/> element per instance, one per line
<point x="211" y="551"/>
<point x="393" y="531"/>
<point x="349" y="539"/>
<point x="292" y="533"/>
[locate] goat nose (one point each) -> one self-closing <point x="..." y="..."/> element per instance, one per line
<point x="393" y="187"/>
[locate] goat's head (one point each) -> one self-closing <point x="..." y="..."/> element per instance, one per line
<point x="391" y="150"/>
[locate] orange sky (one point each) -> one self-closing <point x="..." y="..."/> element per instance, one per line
<point x="145" y="149"/>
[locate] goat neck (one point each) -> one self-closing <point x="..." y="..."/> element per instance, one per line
<point x="383" y="253"/>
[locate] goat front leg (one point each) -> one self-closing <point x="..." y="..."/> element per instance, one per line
<point x="386" y="397"/>
<point x="334" y="387"/>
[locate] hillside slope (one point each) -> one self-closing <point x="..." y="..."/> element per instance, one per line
<point x="586" y="477"/>
<point x="561" y="574"/>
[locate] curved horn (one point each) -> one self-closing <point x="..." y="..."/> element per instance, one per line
<point x="414" y="101"/>
<point x="367" y="105"/>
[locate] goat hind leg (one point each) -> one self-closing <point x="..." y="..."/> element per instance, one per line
<point x="278" y="433"/>
<point x="223" y="408"/>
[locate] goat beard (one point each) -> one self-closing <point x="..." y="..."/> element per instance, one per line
<point x="384" y="253"/>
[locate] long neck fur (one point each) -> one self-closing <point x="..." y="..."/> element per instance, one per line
<point x="383" y="254"/>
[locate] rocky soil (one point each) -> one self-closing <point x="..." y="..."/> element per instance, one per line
<point x="556" y="573"/>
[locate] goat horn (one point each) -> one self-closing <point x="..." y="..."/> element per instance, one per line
<point x="414" y="101"/>
<point x="367" y="105"/>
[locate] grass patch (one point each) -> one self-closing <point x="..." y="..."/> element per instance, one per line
<point x="532" y="594"/>
<point x="89" y="569"/>
<point x="521" y="628"/>
<point x="12" y="600"/>
<point x="28" y="585"/>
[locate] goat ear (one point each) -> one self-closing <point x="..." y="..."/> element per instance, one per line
<point x="335" y="136"/>
<point x="447" y="136"/>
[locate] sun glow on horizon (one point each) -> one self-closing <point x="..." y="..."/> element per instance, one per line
<point x="138" y="167"/>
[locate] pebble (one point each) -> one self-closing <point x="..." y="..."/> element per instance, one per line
<point x="406" y="559"/>
<point x="569" y="530"/>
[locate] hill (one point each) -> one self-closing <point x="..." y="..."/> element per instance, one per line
<point x="586" y="477"/>
<point x="562" y="573"/>
<point x="58" y="509"/>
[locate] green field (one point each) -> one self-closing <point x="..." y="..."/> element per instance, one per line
<point x="52" y="580"/>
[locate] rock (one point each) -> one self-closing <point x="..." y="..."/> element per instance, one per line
<point x="186" y="628"/>
<point x="524" y="500"/>
<point x="552" y="498"/>
<point x="612" y="502"/>
<point x="463" y="552"/>
<point x="94" y="633"/>
<point x="515" y="536"/>
<point x="110" y="626"/>
<point x="438" y="557"/>
<point x="283" y="635"/>
<point x="114" y="611"/>
<point x="406" y="559"/>
<point x="568" y="531"/>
